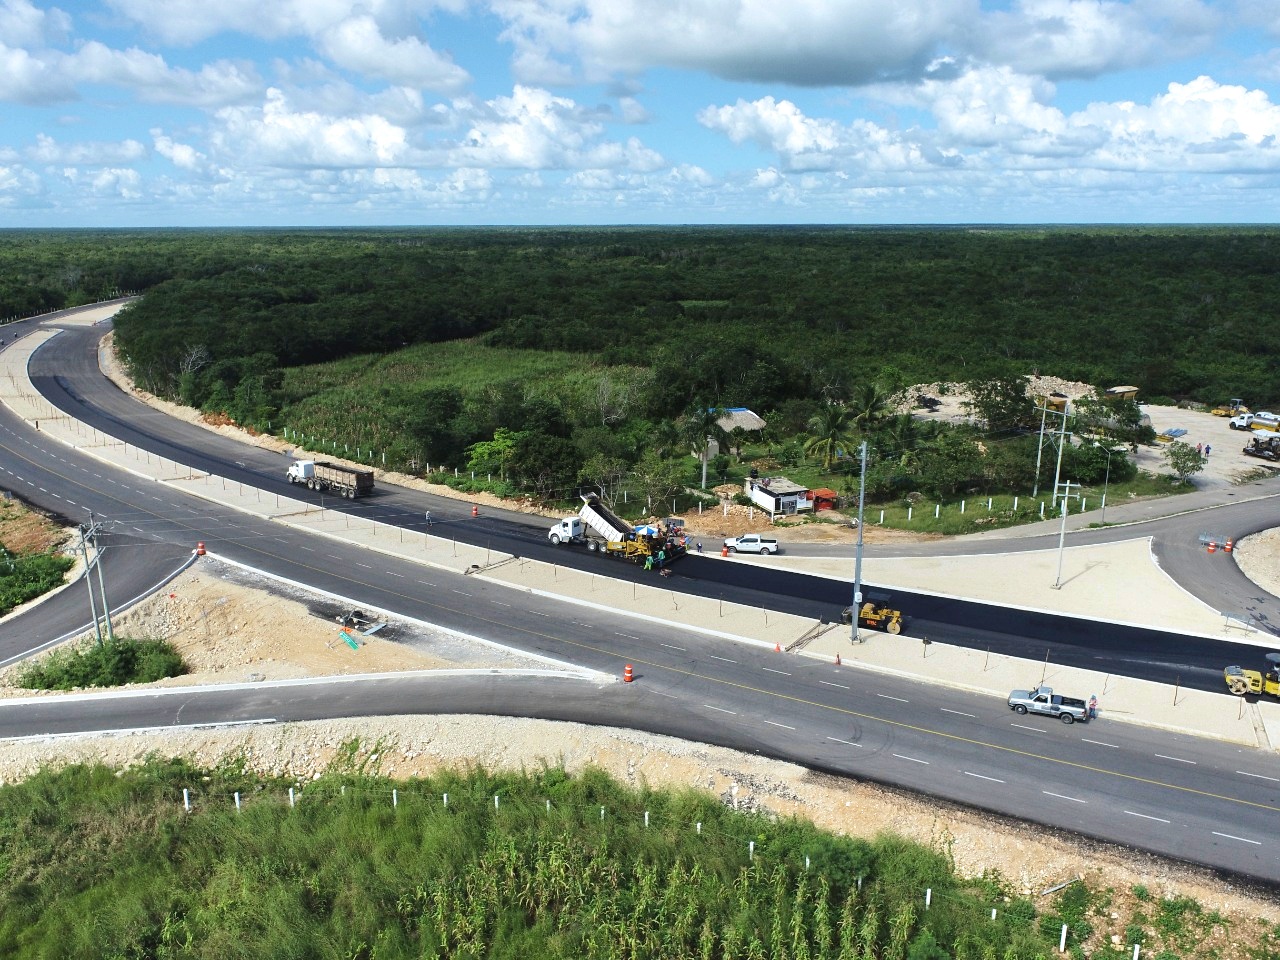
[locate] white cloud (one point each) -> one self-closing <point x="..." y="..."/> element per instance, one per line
<point x="1085" y="38"/>
<point x="31" y="80"/>
<point x="358" y="44"/>
<point x="993" y="119"/>
<point x="276" y="134"/>
<point x="120" y="182"/>
<point x="17" y="185"/>
<point x="153" y="80"/>
<point x="26" y="25"/>
<point x="814" y="43"/>
<point x="181" y="155"/>
<point x="48" y="151"/>
<point x="534" y="130"/>
<point x="1201" y="125"/>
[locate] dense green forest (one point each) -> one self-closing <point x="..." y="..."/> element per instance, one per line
<point x="95" y="863"/>
<point x="549" y="357"/>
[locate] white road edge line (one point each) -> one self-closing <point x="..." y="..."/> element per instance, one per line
<point x="1061" y="797"/>
<point x="1256" y="843"/>
<point x="1145" y="817"/>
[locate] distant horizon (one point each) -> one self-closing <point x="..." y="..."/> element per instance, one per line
<point x="169" y="114"/>
<point x="1100" y="225"/>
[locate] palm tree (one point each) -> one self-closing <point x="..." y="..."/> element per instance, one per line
<point x="831" y="430"/>
<point x="698" y="427"/>
<point x="869" y="406"/>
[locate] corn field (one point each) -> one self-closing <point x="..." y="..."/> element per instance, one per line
<point x="169" y="861"/>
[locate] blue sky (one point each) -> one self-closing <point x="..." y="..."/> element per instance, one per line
<point x="327" y="112"/>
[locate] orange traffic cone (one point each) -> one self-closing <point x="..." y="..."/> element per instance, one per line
<point x="1228" y="545"/>
<point x="200" y="549"/>
<point x="475" y="510"/>
<point x="777" y="648"/>
<point x="724" y="551"/>
<point x="627" y="675"/>
<point x="1213" y="547"/>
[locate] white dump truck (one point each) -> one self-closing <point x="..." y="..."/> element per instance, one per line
<point x="603" y="530"/>
<point x="349" y="482"/>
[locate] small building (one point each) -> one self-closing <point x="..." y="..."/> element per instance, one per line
<point x="825" y="498"/>
<point x="779" y="496"/>
<point x="735" y="418"/>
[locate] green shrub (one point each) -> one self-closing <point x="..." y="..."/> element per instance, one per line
<point x="112" y="664"/>
<point x="27" y="577"/>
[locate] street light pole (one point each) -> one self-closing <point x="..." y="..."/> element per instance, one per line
<point x="1105" y="483"/>
<point x="857" y="563"/>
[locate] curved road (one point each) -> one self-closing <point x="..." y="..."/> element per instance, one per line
<point x="1170" y="794"/>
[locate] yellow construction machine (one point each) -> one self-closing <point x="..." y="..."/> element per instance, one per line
<point x="1232" y="408"/>
<point x="876" y="615"/>
<point x="1241" y="682"/>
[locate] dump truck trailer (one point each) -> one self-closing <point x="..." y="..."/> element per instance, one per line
<point x="349" y="482"/>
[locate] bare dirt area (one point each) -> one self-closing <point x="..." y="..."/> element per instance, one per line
<point x="23" y="530"/>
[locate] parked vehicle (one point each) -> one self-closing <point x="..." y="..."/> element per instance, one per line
<point x="1265" y="445"/>
<point x="602" y="530"/>
<point x="752" y="543"/>
<point x="1264" y="420"/>
<point x="349" y="482"/>
<point x="1044" y="700"/>
<point x="1232" y="408"/>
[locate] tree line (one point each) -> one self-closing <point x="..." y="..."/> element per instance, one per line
<point x="606" y="343"/>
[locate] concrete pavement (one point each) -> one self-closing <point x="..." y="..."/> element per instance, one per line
<point x="1134" y="590"/>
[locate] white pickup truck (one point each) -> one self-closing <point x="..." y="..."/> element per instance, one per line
<point x="752" y="543"/>
<point x="1044" y="700"/>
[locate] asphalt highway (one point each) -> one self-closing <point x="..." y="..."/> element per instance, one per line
<point x="66" y="372"/>
<point x="1179" y="796"/>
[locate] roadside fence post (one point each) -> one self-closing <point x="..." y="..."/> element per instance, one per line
<point x="291" y="800"/>
<point x="937" y="510"/>
<point x="237" y="801"/>
<point x="186" y="800"/>
<point x="395" y="798"/>
<point x="928" y="897"/>
<point x="1062" y="940"/>
<point x="751" y="849"/>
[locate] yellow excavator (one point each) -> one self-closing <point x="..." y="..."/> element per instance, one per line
<point x="1241" y="682"/>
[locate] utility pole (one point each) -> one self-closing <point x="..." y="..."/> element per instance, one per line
<point x="85" y="537"/>
<point x="1062" y="531"/>
<point x="88" y="579"/>
<point x="1044" y="415"/>
<point x="857" y="563"/>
